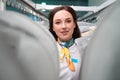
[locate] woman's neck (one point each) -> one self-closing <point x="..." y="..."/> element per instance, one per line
<point x="66" y="44"/>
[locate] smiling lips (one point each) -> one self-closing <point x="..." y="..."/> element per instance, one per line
<point x="64" y="32"/>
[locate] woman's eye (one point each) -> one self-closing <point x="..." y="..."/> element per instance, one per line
<point x="57" y="22"/>
<point x="68" y="21"/>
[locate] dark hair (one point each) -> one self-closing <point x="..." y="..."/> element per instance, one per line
<point x="76" y="33"/>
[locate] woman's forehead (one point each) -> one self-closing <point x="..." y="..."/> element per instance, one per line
<point x="62" y="14"/>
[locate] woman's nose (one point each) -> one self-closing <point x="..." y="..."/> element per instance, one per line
<point x="64" y="25"/>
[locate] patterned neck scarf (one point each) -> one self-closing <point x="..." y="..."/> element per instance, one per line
<point x="64" y="53"/>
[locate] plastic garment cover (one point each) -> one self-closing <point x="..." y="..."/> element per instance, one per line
<point x="27" y="50"/>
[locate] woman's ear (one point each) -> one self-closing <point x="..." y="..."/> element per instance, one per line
<point x="75" y="25"/>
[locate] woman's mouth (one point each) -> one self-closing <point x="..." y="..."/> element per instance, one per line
<point x="64" y="32"/>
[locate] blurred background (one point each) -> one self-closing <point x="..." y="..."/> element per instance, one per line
<point x="87" y="10"/>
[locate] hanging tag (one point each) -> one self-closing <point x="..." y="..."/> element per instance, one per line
<point x="75" y="60"/>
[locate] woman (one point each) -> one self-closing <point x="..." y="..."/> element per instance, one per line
<point x="64" y="28"/>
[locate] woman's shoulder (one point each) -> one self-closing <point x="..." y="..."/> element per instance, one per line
<point x="82" y="42"/>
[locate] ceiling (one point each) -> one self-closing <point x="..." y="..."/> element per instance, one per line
<point x="63" y="2"/>
<point x="44" y="13"/>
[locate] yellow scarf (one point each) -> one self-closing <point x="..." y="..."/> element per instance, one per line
<point x="64" y="53"/>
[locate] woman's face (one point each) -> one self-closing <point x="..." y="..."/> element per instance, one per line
<point x="63" y="25"/>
